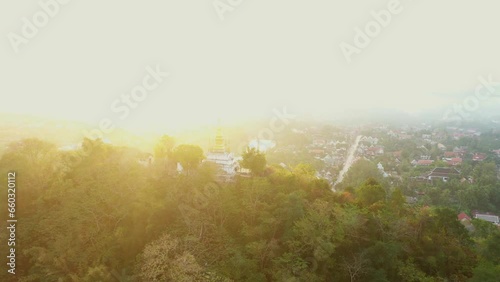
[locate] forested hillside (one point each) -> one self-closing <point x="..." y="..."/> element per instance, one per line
<point x="97" y="214"/>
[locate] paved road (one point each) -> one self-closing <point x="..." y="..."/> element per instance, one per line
<point x="349" y="161"/>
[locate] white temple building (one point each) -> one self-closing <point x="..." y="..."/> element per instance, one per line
<point x="220" y="155"/>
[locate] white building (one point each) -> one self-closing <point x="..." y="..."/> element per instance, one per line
<point x="491" y="218"/>
<point x="263" y="145"/>
<point x="220" y="155"/>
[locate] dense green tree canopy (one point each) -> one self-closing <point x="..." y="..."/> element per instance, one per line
<point x="254" y="160"/>
<point x="189" y="156"/>
<point x="97" y="214"/>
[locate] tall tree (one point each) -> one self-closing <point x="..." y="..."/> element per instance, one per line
<point x="163" y="153"/>
<point x="254" y="160"/>
<point x="370" y="193"/>
<point x="189" y="156"/>
<point x="163" y="149"/>
<point x="164" y="260"/>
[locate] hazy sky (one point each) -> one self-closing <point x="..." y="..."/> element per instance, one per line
<point x="263" y="54"/>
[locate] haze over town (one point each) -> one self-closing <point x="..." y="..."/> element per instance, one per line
<point x="232" y="140"/>
<point x="283" y="53"/>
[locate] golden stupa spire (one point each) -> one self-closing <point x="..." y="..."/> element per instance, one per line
<point x="220" y="143"/>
